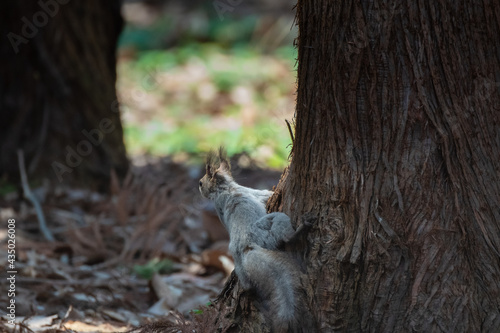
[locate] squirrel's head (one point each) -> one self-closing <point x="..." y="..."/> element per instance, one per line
<point x="218" y="174"/>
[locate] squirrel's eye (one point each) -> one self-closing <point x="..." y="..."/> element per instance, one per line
<point x="201" y="183"/>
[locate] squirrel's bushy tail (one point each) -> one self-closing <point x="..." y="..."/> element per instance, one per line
<point x="280" y="290"/>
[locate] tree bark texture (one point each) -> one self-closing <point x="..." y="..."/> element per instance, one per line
<point x="57" y="90"/>
<point x="396" y="148"/>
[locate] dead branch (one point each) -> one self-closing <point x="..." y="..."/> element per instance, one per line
<point x="31" y="197"/>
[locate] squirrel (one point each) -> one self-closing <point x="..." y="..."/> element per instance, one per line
<point x="256" y="241"/>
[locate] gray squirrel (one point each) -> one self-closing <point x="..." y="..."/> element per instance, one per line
<point x="256" y="243"/>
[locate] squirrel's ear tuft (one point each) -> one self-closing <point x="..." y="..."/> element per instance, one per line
<point x="210" y="164"/>
<point x="225" y="165"/>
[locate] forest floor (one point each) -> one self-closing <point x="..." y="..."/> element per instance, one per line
<point x="152" y="249"/>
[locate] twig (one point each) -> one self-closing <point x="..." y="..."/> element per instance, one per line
<point x="63" y="320"/>
<point x="290" y="130"/>
<point x="108" y="263"/>
<point x="31" y="197"/>
<point x="88" y="282"/>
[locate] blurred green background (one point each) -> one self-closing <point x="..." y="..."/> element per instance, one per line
<point x="193" y="76"/>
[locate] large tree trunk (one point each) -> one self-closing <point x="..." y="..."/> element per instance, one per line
<point x="57" y="90"/>
<point x="397" y="150"/>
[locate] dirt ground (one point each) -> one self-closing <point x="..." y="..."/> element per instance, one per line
<point x="151" y="249"/>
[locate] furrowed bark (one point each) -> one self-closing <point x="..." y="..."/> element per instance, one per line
<point x="396" y="149"/>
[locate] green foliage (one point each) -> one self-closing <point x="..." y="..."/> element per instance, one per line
<point x="190" y="28"/>
<point x="200" y="311"/>
<point x="204" y="95"/>
<point x="146" y="38"/>
<point x="157" y="59"/>
<point x="153" y="266"/>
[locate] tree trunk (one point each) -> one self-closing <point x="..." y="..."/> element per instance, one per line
<point x="396" y="150"/>
<point x="58" y="100"/>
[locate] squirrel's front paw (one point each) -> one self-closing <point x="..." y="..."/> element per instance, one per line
<point x="308" y="219"/>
